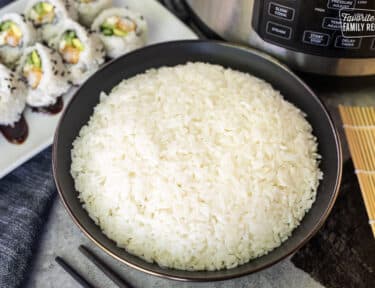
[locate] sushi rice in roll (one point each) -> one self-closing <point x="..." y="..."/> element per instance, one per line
<point x="12" y="97"/>
<point x="81" y="51"/>
<point x="16" y="33"/>
<point x="44" y="74"/>
<point x="120" y="30"/>
<point x="48" y="15"/>
<point x="89" y="9"/>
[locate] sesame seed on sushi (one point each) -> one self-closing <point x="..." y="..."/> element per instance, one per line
<point x="47" y="15"/>
<point x="89" y="9"/>
<point x="121" y="30"/>
<point x="41" y="69"/>
<point x="81" y="51"/>
<point x="12" y="97"/>
<point x="16" y="33"/>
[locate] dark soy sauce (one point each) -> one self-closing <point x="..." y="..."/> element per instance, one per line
<point x="17" y="133"/>
<point x="52" y="109"/>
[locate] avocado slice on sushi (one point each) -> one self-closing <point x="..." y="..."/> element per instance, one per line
<point x="35" y="59"/>
<point x="119" y="32"/>
<point x="77" y="44"/>
<point x="10" y="34"/>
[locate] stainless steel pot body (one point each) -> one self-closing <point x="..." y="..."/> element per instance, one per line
<point x="239" y="20"/>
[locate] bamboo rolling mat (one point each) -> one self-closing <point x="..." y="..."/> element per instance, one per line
<point x="359" y="126"/>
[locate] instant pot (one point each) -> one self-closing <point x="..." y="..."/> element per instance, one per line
<point x="305" y="34"/>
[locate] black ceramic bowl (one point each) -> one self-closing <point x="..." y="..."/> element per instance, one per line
<point x="169" y="54"/>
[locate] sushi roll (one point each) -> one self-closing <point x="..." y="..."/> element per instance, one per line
<point x="48" y="15"/>
<point x="120" y="30"/>
<point x="89" y="9"/>
<point x="16" y="33"/>
<point x="81" y="51"/>
<point x="12" y="97"/>
<point x="44" y="73"/>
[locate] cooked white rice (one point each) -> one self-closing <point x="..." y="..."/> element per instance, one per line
<point x="196" y="167"/>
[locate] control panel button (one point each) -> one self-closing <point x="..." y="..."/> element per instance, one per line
<point x="363" y="2"/>
<point x="347" y="43"/>
<point x="315" y="38"/>
<point x="331" y="23"/>
<point x="340" y="4"/>
<point x="278" y="30"/>
<point x="281" y="11"/>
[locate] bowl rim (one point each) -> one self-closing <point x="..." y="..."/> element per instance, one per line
<point x="170" y="275"/>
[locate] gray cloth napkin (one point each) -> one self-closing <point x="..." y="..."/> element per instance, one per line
<point x="25" y="198"/>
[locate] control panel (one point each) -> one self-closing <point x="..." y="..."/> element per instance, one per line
<point x="312" y="26"/>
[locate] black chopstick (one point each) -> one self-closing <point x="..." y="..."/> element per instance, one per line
<point x="70" y="270"/>
<point x="104" y="268"/>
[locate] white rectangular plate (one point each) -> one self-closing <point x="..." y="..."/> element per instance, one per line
<point x="163" y="26"/>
